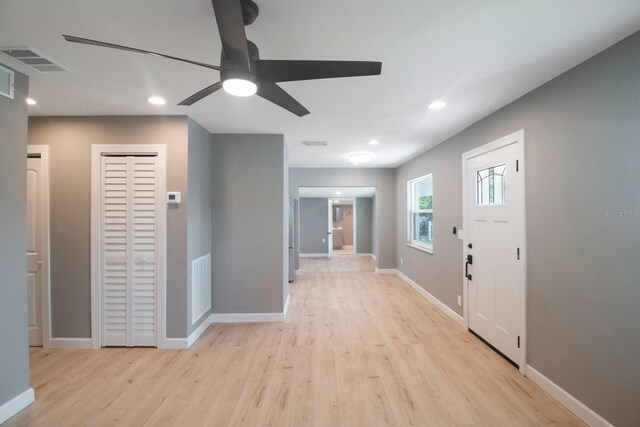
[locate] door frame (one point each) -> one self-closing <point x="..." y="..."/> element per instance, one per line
<point x="96" y="242"/>
<point x="330" y="229"/>
<point x="43" y="151"/>
<point x="517" y="138"/>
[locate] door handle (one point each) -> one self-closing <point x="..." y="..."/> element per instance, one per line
<point x="466" y="267"/>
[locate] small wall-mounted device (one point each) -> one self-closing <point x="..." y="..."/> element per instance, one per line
<point x="173" y="198"/>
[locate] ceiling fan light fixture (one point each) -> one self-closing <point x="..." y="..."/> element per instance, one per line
<point x="239" y="87"/>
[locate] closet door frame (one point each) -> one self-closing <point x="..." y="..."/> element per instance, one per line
<point x="97" y="151"/>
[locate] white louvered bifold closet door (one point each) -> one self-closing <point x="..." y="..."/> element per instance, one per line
<point x="129" y="236"/>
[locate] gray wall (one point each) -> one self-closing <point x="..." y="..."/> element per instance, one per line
<point x="364" y="225"/>
<point x="582" y="137"/>
<point x="314" y="224"/>
<point x="199" y="204"/>
<point x="249" y="223"/>
<point x="14" y="355"/>
<point x="70" y="140"/>
<point x="384" y="225"/>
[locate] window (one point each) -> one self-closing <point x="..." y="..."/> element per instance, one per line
<point x="490" y="186"/>
<point x="420" y="222"/>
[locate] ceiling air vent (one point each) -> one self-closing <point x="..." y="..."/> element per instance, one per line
<point x="33" y="59"/>
<point x="6" y="82"/>
<point x="315" y="143"/>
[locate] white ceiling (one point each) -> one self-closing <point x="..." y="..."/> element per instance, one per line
<point x="337" y="193"/>
<point x="476" y="55"/>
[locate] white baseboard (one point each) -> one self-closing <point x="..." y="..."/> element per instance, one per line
<point x="175" y="344"/>
<point x="582" y="411"/>
<point x="386" y="270"/>
<point x="17" y="404"/>
<point x="433" y="300"/>
<point x="314" y="255"/>
<point x="286" y="308"/>
<point x="248" y="317"/>
<point x="74" y="343"/>
<point x="184" y="343"/>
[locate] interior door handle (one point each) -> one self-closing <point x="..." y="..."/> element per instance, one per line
<point x="466" y="267"/>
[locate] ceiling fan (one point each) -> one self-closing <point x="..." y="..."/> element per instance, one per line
<point x="242" y="72"/>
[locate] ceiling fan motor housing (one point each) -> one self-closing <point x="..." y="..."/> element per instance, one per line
<point x="249" y="11"/>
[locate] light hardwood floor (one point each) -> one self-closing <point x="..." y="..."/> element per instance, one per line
<point x="357" y="349"/>
<point x="337" y="263"/>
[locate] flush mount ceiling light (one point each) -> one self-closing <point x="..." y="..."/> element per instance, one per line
<point x="374" y="142"/>
<point x="358" y="158"/>
<point x="437" y="105"/>
<point x="338" y="192"/>
<point x="31" y="101"/>
<point x="156" y="100"/>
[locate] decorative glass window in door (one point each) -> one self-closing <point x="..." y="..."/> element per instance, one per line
<point x="491" y="186"/>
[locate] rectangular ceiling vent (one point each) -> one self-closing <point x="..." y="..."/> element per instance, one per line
<point x="6" y="82"/>
<point x="315" y="143"/>
<point x="33" y="59"/>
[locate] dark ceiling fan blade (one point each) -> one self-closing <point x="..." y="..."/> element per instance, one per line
<point x="274" y="93"/>
<point x="202" y="94"/>
<point x="231" y="28"/>
<point x="81" y="40"/>
<point x="287" y="71"/>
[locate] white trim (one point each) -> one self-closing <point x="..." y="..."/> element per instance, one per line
<point x="297" y="271"/>
<point x="386" y="271"/>
<point x="202" y="327"/>
<point x="314" y="256"/>
<point x="73" y="343"/>
<point x="581" y="410"/>
<point x="184" y="343"/>
<point x="175" y="344"/>
<point x="427" y="249"/>
<point x="248" y="317"/>
<point x="433" y="300"/>
<point x="17" y="404"/>
<point x="96" y="265"/>
<point x="45" y="257"/>
<point x="518" y="138"/>
<point x="286" y="307"/>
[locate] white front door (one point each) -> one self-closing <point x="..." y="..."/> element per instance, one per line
<point x="494" y="237"/>
<point x="130" y="201"/>
<point x="34" y="257"/>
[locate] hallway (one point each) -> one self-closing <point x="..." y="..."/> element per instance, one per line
<point x="357" y="349"/>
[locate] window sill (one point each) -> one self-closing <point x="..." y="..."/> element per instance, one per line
<point x="421" y="248"/>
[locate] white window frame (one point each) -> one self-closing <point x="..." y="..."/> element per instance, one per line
<point x="417" y="244"/>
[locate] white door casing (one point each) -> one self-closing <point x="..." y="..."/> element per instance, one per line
<point x="128" y="245"/>
<point x="495" y="292"/>
<point x="38" y="246"/>
<point x="330" y="230"/>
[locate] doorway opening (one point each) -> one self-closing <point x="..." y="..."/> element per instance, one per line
<point x="344" y="229"/>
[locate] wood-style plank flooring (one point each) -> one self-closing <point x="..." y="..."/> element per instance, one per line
<point x="357" y="349"/>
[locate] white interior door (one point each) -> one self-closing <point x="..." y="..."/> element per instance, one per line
<point x="494" y="245"/>
<point x="130" y="201"/>
<point x="34" y="245"/>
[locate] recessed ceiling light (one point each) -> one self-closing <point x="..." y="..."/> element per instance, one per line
<point x="31" y="101"/>
<point x="374" y="142"/>
<point x="437" y="105"/>
<point x="156" y="100"/>
<point x="358" y="158"/>
<point x="239" y="87"/>
<point x="338" y="192"/>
